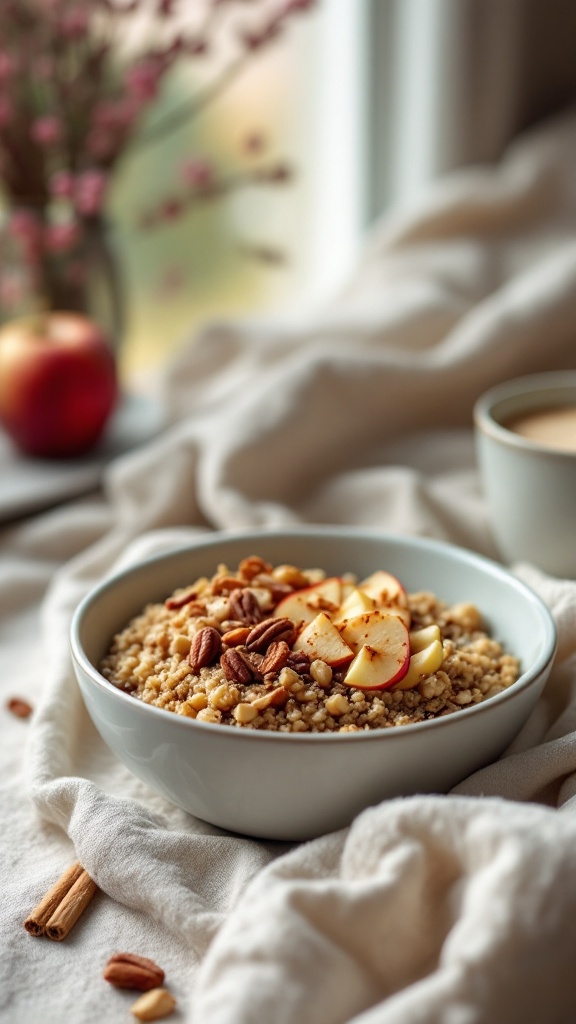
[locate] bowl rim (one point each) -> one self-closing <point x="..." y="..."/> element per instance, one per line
<point x="524" y="681"/>
<point x="530" y="385"/>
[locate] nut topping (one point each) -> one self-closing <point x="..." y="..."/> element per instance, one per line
<point x="267" y="631"/>
<point x="236" y="668"/>
<point x="253" y="566"/>
<point x="276" y="697"/>
<point x="236" y="636"/>
<point x="275" y="658"/>
<point x="205" y="648"/>
<point x="127" y="970"/>
<point x="225" y="584"/>
<point x="179" y="600"/>
<point x="245" y="607"/>
<point x="300" y="662"/>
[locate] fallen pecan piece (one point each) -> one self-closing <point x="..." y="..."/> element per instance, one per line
<point x="127" y="970"/>
<point x="153" y="1005"/>
<point x="245" y="607"/>
<point x="19" y="707"/>
<point x="275" y="658"/>
<point x="236" y="668"/>
<point x="205" y="648"/>
<point x="265" y="632"/>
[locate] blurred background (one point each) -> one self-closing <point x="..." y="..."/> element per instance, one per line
<point x="368" y="100"/>
<point x="360" y="102"/>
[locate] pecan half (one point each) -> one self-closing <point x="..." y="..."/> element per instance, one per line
<point x="127" y="970"/>
<point x="237" y="635"/>
<point x="205" y="648"/>
<point x="245" y="607"/>
<point x="179" y="600"/>
<point x="300" y="662"/>
<point x="265" y="632"/>
<point x="19" y="707"/>
<point x="236" y="668"/>
<point x="253" y="566"/>
<point x="276" y="657"/>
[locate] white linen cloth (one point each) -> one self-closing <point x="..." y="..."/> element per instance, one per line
<point x="458" y="909"/>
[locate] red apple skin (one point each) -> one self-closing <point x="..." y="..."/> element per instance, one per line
<point x="58" y="384"/>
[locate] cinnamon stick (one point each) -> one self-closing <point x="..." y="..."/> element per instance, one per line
<point x="62" y="905"/>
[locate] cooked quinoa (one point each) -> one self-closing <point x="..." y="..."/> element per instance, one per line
<point x="211" y="652"/>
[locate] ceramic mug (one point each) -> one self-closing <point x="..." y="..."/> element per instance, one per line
<point x="526" y="448"/>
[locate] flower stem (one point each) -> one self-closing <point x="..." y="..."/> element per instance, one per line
<point x="191" y="108"/>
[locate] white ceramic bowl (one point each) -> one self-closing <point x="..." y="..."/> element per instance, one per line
<point x="296" y="786"/>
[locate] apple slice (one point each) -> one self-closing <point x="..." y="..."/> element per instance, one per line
<point x="421" y="638"/>
<point x="347" y="588"/>
<point x="355" y="603"/>
<point x="381" y="644"/>
<point x="396" y="609"/>
<point x="423" y="663"/>
<point x="371" y="669"/>
<point x="387" y="592"/>
<point x="321" y="639"/>
<point x="384" y="588"/>
<point x="304" y="605"/>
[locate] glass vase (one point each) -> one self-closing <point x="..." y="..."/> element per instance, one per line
<point x="91" y="283"/>
<point x="81" y="275"/>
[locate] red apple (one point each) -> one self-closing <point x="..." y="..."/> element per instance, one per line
<point x="58" y="383"/>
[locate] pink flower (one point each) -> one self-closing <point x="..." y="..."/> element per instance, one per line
<point x="116" y="116"/>
<point x="74" y="24"/>
<point x="46" y="131"/>
<point x="142" y="80"/>
<point x="25" y="225"/>
<point x="171" y="209"/>
<point x="111" y="125"/>
<point x="62" y="185"/>
<point x="61" y="237"/>
<point x="197" y="172"/>
<point x="90" y="192"/>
